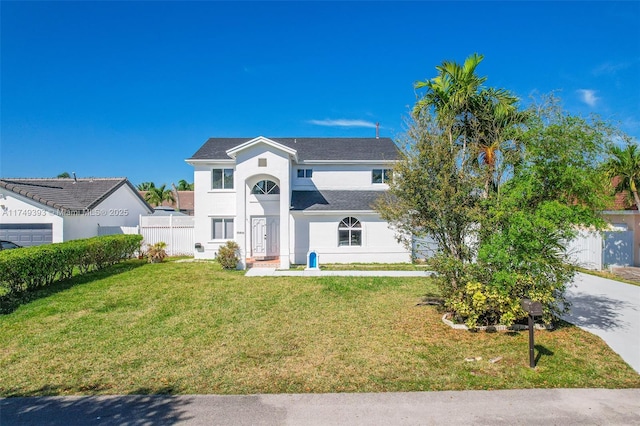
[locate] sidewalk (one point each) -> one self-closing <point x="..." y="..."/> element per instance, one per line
<point x="272" y="272"/>
<point x="508" y="407"/>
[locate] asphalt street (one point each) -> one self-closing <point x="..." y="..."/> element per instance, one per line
<point x="511" y="407"/>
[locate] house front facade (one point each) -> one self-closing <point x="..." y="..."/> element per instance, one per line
<point x="282" y="198"/>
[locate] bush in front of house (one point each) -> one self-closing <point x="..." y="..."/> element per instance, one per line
<point x="156" y="252"/>
<point x="228" y="255"/>
<point x="30" y="267"/>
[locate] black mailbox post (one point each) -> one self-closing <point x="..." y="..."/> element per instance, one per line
<point x="533" y="309"/>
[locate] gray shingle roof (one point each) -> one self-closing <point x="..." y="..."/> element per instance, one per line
<point x="67" y="194"/>
<point x="344" y="149"/>
<point x="334" y="200"/>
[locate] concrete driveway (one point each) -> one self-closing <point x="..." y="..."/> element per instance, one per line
<point x="609" y="309"/>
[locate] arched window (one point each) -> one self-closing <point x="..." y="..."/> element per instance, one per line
<point x="350" y="232"/>
<point x="265" y="187"/>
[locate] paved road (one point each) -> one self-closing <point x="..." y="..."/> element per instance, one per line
<point x="515" y="407"/>
<point x="609" y="309"/>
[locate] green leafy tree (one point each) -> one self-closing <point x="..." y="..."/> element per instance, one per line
<point x="146" y="186"/>
<point x="624" y="165"/>
<point x="157" y="195"/>
<point x="556" y="187"/>
<point x="64" y="175"/>
<point x="496" y="247"/>
<point x="433" y="195"/>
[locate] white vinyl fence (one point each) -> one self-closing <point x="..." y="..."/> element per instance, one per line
<point x="585" y="250"/>
<point x="175" y="231"/>
<point x="114" y="230"/>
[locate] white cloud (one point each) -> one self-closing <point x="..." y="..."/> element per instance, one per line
<point x="588" y="96"/>
<point x="610" y="68"/>
<point x="341" y="122"/>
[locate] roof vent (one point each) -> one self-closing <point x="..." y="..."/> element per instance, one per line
<point x="75" y="179"/>
<point x="377" y="130"/>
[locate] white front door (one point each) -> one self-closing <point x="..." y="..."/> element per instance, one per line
<point x="265" y="236"/>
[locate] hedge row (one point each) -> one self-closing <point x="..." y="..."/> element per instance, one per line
<point x="31" y="267"/>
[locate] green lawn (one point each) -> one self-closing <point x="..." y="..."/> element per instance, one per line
<point x="192" y="328"/>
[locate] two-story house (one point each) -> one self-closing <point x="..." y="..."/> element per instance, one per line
<point x="280" y="198"/>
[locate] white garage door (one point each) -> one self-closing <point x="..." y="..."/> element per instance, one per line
<point x="27" y="234"/>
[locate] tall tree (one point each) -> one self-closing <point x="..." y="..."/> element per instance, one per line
<point x="495" y="129"/>
<point x="479" y="119"/>
<point x="624" y="164"/>
<point x="183" y="185"/>
<point x="495" y="247"/>
<point x="145" y="186"/>
<point x="64" y="175"/>
<point x="157" y="195"/>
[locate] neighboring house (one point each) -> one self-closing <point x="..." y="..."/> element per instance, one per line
<point x="621" y="245"/>
<point x="184" y="198"/>
<point x="40" y="211"/>
<point x="280" y="198"/>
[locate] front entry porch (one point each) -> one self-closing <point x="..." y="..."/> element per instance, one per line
<point x="263" y="263"/>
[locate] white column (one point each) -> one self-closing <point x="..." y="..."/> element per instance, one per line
<point x="241" y="224"/>
<point x="285" y="204"/>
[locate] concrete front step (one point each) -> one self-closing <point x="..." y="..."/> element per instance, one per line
<point x="270" y="263"/>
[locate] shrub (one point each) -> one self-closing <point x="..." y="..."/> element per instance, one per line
<point x="156" y="252"/>
<point x="228" y="255"/>
<point x="30" y="267"/>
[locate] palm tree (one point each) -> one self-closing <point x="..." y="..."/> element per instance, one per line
<point x="145" y="186"/>
<point x="495" y="116"/>
<point x="451" y="93"/>
<point x="183" y="185"/>
<point x="481" y="117"/>
<point x="155" y="196"/>
<point x="624" y="164"/>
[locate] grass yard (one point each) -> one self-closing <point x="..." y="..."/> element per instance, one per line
<point x="192" y="328"/>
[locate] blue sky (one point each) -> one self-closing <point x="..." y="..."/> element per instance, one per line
<point x="111" y="89"/>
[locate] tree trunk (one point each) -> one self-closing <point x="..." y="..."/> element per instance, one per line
<point x="175" y="190"/>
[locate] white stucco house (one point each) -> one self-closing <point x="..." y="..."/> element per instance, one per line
<point x="281" y="198"/>
<point x="41" y="211"/>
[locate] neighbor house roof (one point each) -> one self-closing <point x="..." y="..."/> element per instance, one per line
<point x="334" y="200"/>
<point x="186" y="200"/>
<point x="622" y="200"/>
<point x="69" y="194"/>
<point x="311" y="149"/>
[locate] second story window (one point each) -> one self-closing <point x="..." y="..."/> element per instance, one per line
<point x="381" y="175"/>
<point x="265" y="187"/>
<point x="222" y="179"/>
<point x="305" y="173"/>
